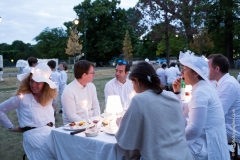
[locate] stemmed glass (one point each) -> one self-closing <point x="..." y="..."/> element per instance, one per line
<point x="95" y="117"/>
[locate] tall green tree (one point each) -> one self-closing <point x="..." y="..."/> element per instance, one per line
<point x="51" y="43"/>
<point x="104" y="25"/>
<point x="180" y="16"/>
<point x="223" y="21"/>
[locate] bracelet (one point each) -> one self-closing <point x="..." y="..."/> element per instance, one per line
<point x="176" y="92"/>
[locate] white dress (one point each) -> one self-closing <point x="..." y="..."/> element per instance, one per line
<point x="31" y="114"/>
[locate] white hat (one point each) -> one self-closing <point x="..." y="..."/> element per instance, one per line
<point x="41" y="73"/>
<point x="147" y="60"/>
<point x="198" y="64"/>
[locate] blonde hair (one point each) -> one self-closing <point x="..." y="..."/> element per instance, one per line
<point x="47" y="93"/>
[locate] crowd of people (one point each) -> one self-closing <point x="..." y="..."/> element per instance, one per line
<point x="158" y="126"/>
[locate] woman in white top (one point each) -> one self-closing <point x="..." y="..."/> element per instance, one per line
<point x="205" y="129"/>
<point x="153" y="123"/>
<point x="33" y="102"/>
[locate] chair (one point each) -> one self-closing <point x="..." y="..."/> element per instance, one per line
<point x="234" y="155"/>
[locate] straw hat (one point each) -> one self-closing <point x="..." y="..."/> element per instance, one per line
<point x="198" y="64"/>
<point x="41" y="73"/>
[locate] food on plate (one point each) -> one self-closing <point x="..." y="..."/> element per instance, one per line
<point x="72" y="124"/>
<point x="81" y="123"/>
<point x="104" y="123"/>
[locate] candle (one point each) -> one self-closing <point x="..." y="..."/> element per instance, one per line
<point x="85" y="107"/>
<point x="21" y="96"/>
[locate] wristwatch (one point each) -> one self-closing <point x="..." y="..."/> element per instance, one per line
<point x="11" y="129"/>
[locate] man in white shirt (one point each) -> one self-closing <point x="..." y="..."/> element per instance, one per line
<point x="161" y="72"/>
<point x="79" y="98"/>
<point x="32" y="62"/>
<point x="120" y="85"/>
<point x="55" y="77"/>
<point x="171" y="74"/>
<point x="229" y="93"/>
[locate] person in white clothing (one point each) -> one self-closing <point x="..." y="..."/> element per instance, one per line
<point x="228" y="89"/>
<point x="120" y="85"/>
<point x="33" y="102"/>
<point x="148" y="126"/>
<point x="63" y="76"/>
<point x="80" y="96"/>
<point x="238" y="77"/>
<point x="55" y="77"/>
<point x="172" y="73"/>
<point x="205" y="129"/>
<point x="32" y="62"/>
<point x="161" y="72"/>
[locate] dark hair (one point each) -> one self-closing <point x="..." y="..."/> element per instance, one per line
<point x="81" y="67"/>
<point x="65" y="67"/>
<point x="127" y="66"/>
<point x="51" y="64"/>
<point x="221" y="61"/>
<point x="142" y="71"/>
<point x="32" y="60"/>
<point x="164" y="65"/>
<point x="172" y="64"/>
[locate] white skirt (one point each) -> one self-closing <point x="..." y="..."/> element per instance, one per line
<point x="35" y="143"/>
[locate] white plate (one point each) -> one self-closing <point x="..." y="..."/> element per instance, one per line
<point x="111" y="130"/>
<point x="76" y="127"/>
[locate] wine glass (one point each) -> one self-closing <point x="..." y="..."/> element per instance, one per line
<point x="95" y="117"/>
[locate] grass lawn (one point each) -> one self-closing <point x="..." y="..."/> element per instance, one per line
<point x="11" y="143"/>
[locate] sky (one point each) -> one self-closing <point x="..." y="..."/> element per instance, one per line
<point x="25" y="19"/>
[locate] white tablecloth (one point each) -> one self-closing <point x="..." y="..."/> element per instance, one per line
<point x="72" y="147"/>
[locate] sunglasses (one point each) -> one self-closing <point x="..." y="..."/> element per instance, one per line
<point x="122" y="62"/>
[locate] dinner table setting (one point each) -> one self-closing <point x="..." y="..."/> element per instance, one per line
<point x="91" y="139"/>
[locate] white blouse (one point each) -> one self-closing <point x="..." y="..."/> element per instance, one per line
<point x="30" y="112"/>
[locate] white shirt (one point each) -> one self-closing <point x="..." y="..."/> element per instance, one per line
<point x="55" y="77"/>
<point x="27" y="69"/>
<point x="73" y="99"/>
<point x="205" y="130"/>
<point x="229" y="93"/>
<point x="161" y="74"/>
<point x="63" y="77"/>
<point x="238" y="77"/>
<point x="30" y="113"/>
<point x="172" y="74"/>
<point x="125" y="91"/>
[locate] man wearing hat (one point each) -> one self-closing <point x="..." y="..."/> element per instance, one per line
<point x="228" y="90"/>
<point x="80" y="96"/>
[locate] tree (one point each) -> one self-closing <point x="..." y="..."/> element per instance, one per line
<point x="105" y="27"/>
<point x="181" y="16"/>
<point x="223" y="21"/>
<point x="51" y="43"/>
<point x="127" y="47"/>
<point x="201" y="43"/>
<point x="73" y="46"/>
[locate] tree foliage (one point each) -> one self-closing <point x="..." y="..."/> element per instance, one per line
<point x="105" y="25"/>
<point x="202" y="43"/>
<point x="73" y="46"/>
<point x="127" y="47"/>
<point x="51" y="43"/>
<point x="222" y="23"/>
